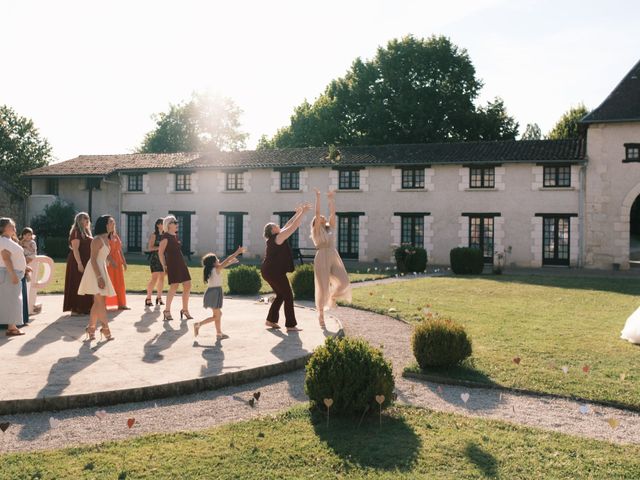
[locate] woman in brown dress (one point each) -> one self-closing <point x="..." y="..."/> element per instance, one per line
<point x="170" y="253"/>
<point x="80" y="246"/>
<point x="278" y="260"/>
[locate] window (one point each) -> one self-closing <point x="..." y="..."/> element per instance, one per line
<point x="232" y="232"/>
<point x="481" y="235"/>
<point x="555" y="240"/>
<point x="52" y="186"/>
<point x="134" y="232"/>
<point x="294" y="239"/>
<point x="93" y="183"/>
<point x="183" y="182"/>
<point x="348" y="235"/>
<point x="413" y="178"/>
<point x="235" y="181"/>
<point x="557" y="176"/>
<point x="290" y="180"/>
<point x="348" y="179"/>
<point x="482" y="177"/>
<point x="632" y="152"/>
<point x="134" y="182"/>
<point x="412" y="230"/>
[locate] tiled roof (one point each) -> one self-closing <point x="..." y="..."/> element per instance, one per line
<point x="623" y="104"/>
<point x="513" y="151"/>
<point x="431" y="153"/>
<point x="101" y="165"/>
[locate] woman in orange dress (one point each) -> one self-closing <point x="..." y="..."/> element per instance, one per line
<point x="116" y="267"/>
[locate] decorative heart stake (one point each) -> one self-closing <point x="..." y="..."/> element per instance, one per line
<point x="131" y="422"/>
<point x="54" y="422"/>
<point x="586" y="368"/>
<point x="4" y="426"/>
<point x="565" y="369"/>
<point x="613" y="423"/>
<point x="101" y="414"/>
<point x="584" y="409"/>
<point x="465" y="397"/>
<point x="380" y="400"/>
<point x="623" y="376"/>
<point x="517" y="360"/>
<point x="252" y="402"/>
<point x="256" y="395"/>
<point x="328" y="402"/>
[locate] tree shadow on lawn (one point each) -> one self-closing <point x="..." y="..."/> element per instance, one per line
<point x="482" y="459"/>
<point x="392" y="445"/>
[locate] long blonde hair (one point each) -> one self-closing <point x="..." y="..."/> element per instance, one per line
<point x="77" y="225"/>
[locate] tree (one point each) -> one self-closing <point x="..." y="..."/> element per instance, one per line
<point x="568" y="125"/>
<point x="55" y="220"/>
<point x="204" y="123"/>
<point x="412" y="91"/>
<point x="531" y="132"/>
<point x="21" y="147"/>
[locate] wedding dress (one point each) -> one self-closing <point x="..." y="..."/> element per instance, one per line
<point x="631" y="330"/>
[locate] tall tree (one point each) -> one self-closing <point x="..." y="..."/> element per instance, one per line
<point x="568" y="125"/>
<point x="21" y="147"/>
<point x="531" y="132"/>
<point x="412" y="91"/>
<point x="204" y="123"/>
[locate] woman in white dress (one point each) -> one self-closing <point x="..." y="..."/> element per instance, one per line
<point x="12" y="269"/>
<point x="95" y="280"/>
<point x="631" y="330"/>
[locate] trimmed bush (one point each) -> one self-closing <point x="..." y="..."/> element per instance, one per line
<point x="410" y="258"/>
<point x="440" y="342"/>
<point x="351" y="373"/>
<point x="56" y="247"/>
<point x="466" y="261"/>
<point x="55" y="221"/>
<point x="244" y="280"/>
<point x="303" y="283"/>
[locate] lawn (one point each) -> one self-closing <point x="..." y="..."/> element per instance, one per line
<point x="411" y="443"/>
<point x="137" y="276"/>
<point x="549" y="322"/>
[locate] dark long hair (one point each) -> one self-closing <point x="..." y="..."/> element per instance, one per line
<point x="156" y="232"/>
<point x="208" y="262"/>
<point x="101" y="224"/>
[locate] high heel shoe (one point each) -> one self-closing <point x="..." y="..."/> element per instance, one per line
<point x="91" y="333"/>
<point x="186" y="314"/>
<point x="167" y="316"/>
<point x="148" y="302"/>
<point x="159" y="301"/>
<point x="104" y="331"/>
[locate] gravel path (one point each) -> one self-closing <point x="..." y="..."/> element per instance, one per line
<point x="207" y="409"/>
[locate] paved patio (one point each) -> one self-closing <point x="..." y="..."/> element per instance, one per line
<point x="51" y="367"/>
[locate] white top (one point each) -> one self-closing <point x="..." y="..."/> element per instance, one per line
<point x="17" y="254"/>
<point x="215" y="280"/>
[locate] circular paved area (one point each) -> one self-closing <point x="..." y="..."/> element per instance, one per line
<point x="54" y="368"/>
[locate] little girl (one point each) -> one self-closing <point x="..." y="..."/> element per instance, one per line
<point x="28" y="243"/>
<point x="212" y="275"/>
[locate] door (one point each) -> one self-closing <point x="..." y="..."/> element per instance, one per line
<point x="232" y="232"/>
<point x="555" y="240"/>
<point x="481" y="236"/>
<point x="348" y="233"/>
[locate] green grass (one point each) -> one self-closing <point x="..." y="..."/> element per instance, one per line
<point x="137" y="276"/>
<point x="547" y="321"/>
<point x="411" y="443"/>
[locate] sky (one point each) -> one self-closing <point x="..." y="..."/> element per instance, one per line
<point x="91" y="74"/>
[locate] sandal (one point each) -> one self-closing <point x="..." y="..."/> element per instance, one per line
<point x="14" y="332"/>
<point x="148" y="302"/>
<point x="222" y="336"/>
<point x="186" y="314"/>
<point x="294" y="329"/>
<point x="272" y="325"/>
<point x="107" y="333"/>
<point x="91" y="333"/>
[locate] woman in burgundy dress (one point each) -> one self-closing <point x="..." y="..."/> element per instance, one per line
<point x="278" y="260"/>
<point x="170" y="253"/>
<point x="80" y="246"/>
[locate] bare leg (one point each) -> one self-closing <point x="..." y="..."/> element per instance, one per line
<point x="170" y="294"/>
<point x="150" y="285"/>
<point x="186" y="290"/>
<point x="217" y="316"/>
<point x="197" y="325"/>
<point x="159" y="283"/>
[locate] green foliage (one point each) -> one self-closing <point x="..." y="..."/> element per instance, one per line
<point x="21" y="147"/>
<point x="440" y="342"/>
<point x="205" y="123"/>
<point x="302" y="282"/>
<point x="568" y="125"/>
<point x="532" y="132"/>
<point x="413" y="91"/>
<point x="351" y="373"/>
<point x="244" y="280"/>
<point x="56" y="247"/>
<point x="55" y="220"/>
<point x="466" y="260"/>
<point x="410" y="258"/>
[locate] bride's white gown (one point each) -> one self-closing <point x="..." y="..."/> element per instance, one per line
<point x="631" y="330"/>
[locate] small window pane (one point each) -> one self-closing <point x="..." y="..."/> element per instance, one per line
<point x="413" y="178"/>
<point x="289" y="180"/>
<point x="235" y="181"/>
<point x="134" y="183"/>
<point x="183" y="182"/>
<point x="348" y="179"/>
<point x="482" y="177"/>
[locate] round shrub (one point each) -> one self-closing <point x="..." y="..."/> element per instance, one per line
<point x="56" y="247"/>
<point x="466" y="260"/>
<point x="440" y="342"/>
<point x="352" y="373"/>
<point x="303" y="283"/>
<point x="244" y="280"/>
<point x="410" y="258"/>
